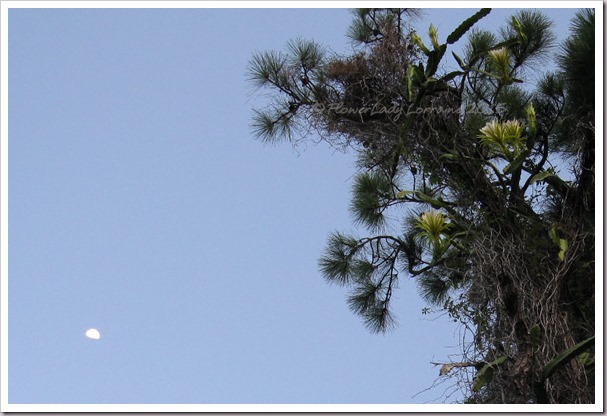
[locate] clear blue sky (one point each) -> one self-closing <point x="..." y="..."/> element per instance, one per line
<point x="141" y="205"/>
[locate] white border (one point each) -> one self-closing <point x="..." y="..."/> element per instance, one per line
<point x="4" y="207"/>
<point x="295" y="4"/>
<point x="303" y="408"/>
<point x="599" y="150"/>
<point x="233" y="408"/>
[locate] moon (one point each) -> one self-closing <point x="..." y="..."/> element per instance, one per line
<point x="93" y="334"/>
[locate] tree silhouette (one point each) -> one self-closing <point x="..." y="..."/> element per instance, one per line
<point x="474" y="164"/>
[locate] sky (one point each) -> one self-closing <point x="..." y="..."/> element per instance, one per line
<point x="141" y="205"/>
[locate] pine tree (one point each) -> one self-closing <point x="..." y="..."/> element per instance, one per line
<point x="473" y="163"/>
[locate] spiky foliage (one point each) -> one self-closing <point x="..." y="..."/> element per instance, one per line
<point x="534" y="38"/>
<point x="369" y="268"/>
<point x="372" y="195"/>
<point x="373" y="25"/>
<point x="506" y="137"/>
<point x="577" y="60"/>
<point x="469" y="163"/>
